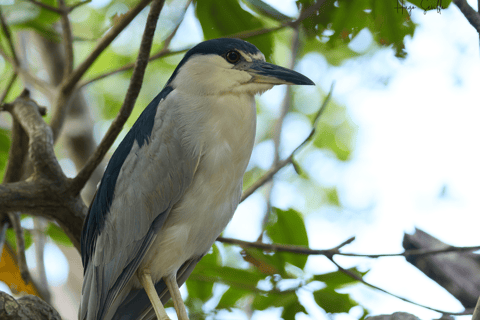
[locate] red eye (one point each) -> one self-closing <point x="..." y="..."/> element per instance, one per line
<point x="233" y="56"/>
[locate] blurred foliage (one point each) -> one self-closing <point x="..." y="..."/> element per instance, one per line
<point x="226" y="278"/>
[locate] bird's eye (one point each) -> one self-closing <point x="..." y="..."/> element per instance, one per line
<point x="233" y="56"/>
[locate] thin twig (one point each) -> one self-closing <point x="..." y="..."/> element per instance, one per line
<point x="8" y="35"/>
<point x="277" y="131"/>
<point x="46" y="6"/>
<point x="68" y="85"/>
<point x="129" y="102"/>
<point x="285" y="248"/>
<point x="67" y="39"/>
<point x="270" y="173"/>
<point x="360" y="279"/>
<point x="8" y="88"/>
<point x="78" y="4"/>
<point x="160" y="54"/>
<point x="470" y="14"/>
<point x="335" y="250"/>
<point x="414" y="252"/>
<point x="22" y="261"/>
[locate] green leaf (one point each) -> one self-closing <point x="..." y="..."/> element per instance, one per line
<point x="58" y="235"/>
<point x="226" y="17"/>
<point x="332" y="301"/>
<point x="203" y="290"/>
<point x="266" y="263"/>
<point x="210" y="270"/>
<point x="332" y="196"/>
<point x="338" y="279"/>
<point x="289" y="311"/>
<point x="288" y="227"/>
<point x="328" y="137"/>
<point x="267" y="10"/>
<point x="230" y="298"/>
<point x="274" y="299"/>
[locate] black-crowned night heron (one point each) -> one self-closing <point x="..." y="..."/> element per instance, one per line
<point x="174" y="182"/>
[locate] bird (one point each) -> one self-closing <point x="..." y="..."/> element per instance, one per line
<point x="174" y="182"/>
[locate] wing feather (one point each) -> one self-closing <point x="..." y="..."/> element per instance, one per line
<point x="151" y="174"/>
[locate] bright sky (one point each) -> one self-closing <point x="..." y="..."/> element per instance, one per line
<point x="416" y="133"/>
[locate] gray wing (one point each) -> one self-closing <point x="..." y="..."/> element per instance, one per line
<point x="151" y="179"/>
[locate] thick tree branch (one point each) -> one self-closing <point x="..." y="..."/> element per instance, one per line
<point x="68" y="85"/>
<point x="470" y="14"/>
<point x="45" y="193"/>
<point x="129" y="102"/>
<point x="27" y="113"/>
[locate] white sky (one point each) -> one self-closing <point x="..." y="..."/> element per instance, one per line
<point x="415" y="134"/>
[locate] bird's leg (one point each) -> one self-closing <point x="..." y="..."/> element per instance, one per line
<point x="147" y="283"/>
<point x="172" y="286"/>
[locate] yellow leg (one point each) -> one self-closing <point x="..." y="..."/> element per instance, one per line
<point x="147" y="283"/>
<point x="172" y="286"/>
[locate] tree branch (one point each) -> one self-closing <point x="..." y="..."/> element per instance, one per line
<point x="78" y="4"/>
<point x="27" y="113"/>
<point x="67" y="39"/>
<point x="20" y="240"/>
<point x="470" y="14"/>
<point x="162" y="53"/>
<point x="360" y="279"/>
<point x="46" y="6"/>
<point x="8" y="35"/>
<point x="68" y="85"/>
<point x="129" y="102"/>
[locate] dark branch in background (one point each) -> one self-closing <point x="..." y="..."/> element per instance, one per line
<point x="470" y="14"/>
<point x="162" y="53"/>
<point x="129" y="102"/>
<point x="8" y="35"/>
<point x="335" y="251"/>
<point x="289" y="160"/>
<point x="20" y="240"/>
<point x="67" y="39"/>
<point x="46" y="6"/>
<point x="68" y="85"/>
<point x="78" y="4"/>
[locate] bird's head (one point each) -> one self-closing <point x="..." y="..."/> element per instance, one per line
<point x="230" y="66"/>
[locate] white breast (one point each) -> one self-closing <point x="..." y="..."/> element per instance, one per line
<point x="226" y="133"/>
